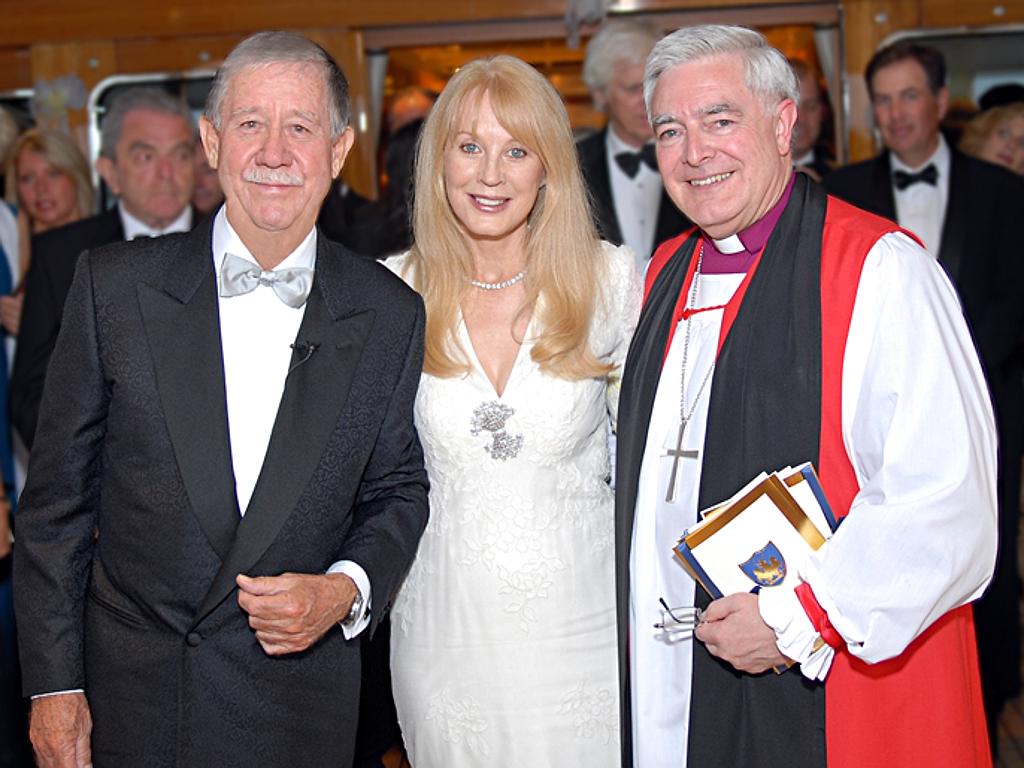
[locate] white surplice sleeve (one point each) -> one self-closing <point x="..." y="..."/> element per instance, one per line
<point x="920" y="538"/>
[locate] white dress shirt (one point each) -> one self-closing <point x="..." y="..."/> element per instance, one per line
<point x="134" y="227"/>
<point x="257" y="330"/>
<point x="636" y="201"/>
<point x="921" y="207"/>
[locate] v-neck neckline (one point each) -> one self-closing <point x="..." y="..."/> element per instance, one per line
<point x="475" y="358"/>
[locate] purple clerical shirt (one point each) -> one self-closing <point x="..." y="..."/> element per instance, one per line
<point x="753" y="239"/>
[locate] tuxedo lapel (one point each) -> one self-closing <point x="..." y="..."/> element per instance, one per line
<point x="599" y="180"/>
<point x="955" y="224"/>
<point x="882" y="195"/>
<point x="329" y="344"/>
<point x="182" y="324"/>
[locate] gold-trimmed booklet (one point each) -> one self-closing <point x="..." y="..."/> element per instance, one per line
<point x="759" y="537"/>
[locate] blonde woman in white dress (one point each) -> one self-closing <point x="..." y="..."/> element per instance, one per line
<point x="503" y="636"/>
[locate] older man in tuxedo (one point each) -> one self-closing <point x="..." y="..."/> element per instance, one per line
<point x="618" y="163"/>
<point x="226" y="486"/>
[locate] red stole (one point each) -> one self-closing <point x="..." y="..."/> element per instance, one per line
<point x="924" y="707"/>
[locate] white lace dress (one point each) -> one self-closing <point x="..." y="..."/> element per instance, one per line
<point x="503" y="635"/>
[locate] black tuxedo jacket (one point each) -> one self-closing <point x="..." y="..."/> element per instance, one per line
<point x="54" y="255"/>
<point x="129" y="535"/>
<point x="980" y="248"/>
<point x="594" y="164"/>
<point x="340" y="213"/>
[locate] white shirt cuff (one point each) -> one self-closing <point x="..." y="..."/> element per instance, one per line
<point x="56" y="693"/>
<point x="355" y="572"/>
<point x="795" y="636"/>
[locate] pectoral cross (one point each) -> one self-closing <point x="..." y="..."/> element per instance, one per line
<point x="677" y="453"/>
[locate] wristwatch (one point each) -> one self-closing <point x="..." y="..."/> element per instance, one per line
<point x="356" y="610"/>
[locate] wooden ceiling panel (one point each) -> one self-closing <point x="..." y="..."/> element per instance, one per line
<point x="31" y="21"/>
<point x="15" y="69"/>
<point x="173" y="55"/>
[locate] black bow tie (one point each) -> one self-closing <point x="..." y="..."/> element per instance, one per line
<point x="629" y="162"/>
<point x="929" y="175"/>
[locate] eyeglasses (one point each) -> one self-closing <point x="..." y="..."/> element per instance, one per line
<point x="680" y="622"/>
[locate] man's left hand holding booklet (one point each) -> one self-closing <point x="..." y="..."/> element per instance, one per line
<point x="759" y="537"/>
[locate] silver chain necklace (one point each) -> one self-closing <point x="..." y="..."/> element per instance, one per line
<point x="685" y="414"/>
<point x="517" y="278"/>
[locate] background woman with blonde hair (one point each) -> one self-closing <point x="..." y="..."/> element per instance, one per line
<point x="503" y="644"/>
<point x="47" y="178"/>
<point x="997" y="135"/>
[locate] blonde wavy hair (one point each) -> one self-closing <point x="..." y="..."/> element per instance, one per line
<point x="62" y="153"/>
<point x="984" y="124"/>
<point x="564" y="269"/>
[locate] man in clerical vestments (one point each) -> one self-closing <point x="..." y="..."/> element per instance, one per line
<point x="791" y="327"/>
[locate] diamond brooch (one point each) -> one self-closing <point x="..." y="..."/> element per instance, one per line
<point x="491" y="417"/>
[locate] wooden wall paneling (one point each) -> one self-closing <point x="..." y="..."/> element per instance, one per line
<point x="866" y="24"/>
<point x="973" y="13"/>
<point x="348" y="49"/>
<point x="90" y="61"/>
<point x="643" y="6"/>
<point x="178" y="54"/>
<point x="27" y="21"/>
<point x="15" y="69"/>
<point x="30" y="21"/>
<point x="670" y="14"/>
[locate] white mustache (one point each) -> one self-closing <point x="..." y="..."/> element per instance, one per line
<point x="274" y="176"/>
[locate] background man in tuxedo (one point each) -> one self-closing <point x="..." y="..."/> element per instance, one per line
<point x="968" y="213"/>
<point x="618" y="163"/>
<point x="146" y="158"/>
<point x="226" y="466"/>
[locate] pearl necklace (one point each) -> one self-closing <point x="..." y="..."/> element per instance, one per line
<point x="517" y="278"/>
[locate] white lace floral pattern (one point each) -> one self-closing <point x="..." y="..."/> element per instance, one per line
<point x="593" y="712"/>
<point x="458" y="721"/>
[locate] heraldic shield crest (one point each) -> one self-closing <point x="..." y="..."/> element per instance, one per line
<point x="766" y="567"/>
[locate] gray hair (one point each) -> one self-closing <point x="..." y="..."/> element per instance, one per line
<point x="275" y="47"/>
<point x="618" y="42"/>
<point x="148" y="98"/>
<point x="766" y="72"/>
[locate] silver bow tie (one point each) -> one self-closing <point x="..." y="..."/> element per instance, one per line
<point x="238" y="276"/>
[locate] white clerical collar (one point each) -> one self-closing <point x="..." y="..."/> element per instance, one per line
<point x="730" y="244"/>
<point x="134" y="227"/>
<point x="940" y="158"/>
<point x="226" y="240"/>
